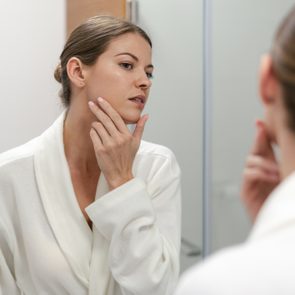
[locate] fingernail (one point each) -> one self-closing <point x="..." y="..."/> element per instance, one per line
<point x="100" y="99"/>
<point x="260" y="123"/>
<point x="91" y="103"/>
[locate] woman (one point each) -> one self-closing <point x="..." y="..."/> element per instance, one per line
<point x="265" y="264"/>
<point x="88" y="207"/>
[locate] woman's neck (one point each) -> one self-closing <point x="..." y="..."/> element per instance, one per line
<point x="78" y="145"/>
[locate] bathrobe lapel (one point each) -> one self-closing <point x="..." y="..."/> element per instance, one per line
<point x="100" y="276"/>
<point x="68" y="224"/>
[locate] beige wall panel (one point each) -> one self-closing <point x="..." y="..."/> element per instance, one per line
<point x="80" y="10"/>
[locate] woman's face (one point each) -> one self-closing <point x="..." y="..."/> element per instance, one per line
<point x="122" y="76"/>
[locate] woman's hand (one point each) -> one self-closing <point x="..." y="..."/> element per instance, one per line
<point x="261" y="173"/>
<point x="114" y="145"/>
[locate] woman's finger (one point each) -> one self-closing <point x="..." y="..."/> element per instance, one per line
<point x="113" y="114"/>
<point x="259" y="139"/>
<point x="97" y="143"/>
<point x="103" y="118"/>
<point x="263" y="163"/>
<point x="102" y="133"/>
<point x="260" y="175"/>
<point x="138" y="132"/>
<point x="262" y="144"/>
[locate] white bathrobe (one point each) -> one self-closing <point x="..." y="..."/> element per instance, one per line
<point x="264" y="265"/>
<point x="46" y="244"/>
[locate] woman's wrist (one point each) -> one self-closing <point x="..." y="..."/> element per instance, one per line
<point x="118" y="181"/>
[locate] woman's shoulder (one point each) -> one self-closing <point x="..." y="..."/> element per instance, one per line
<point x="155" y="162"/>
<point x="153" y="149"/>
<point x="18" y="153"/>
<point x="156" y="157"/>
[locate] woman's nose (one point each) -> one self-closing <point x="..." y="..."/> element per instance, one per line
<point x="143" y="81"/>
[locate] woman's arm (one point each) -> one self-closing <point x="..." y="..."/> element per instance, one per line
<point x="142" y="223"/>
<point x="139" y="217"/>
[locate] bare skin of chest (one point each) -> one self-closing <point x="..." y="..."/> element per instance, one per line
<point x="85" y="188"/>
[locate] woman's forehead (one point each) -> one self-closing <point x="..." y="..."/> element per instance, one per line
<point x="130" y="42"/>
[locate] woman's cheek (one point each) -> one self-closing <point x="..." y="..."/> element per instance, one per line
<point x="270" y="131"/>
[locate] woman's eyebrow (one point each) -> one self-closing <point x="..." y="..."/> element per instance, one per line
<point x="134" y="57"/>
<point x="128" y="53"/>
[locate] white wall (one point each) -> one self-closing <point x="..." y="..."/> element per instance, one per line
<point x="32" y="36"/>
<point x="175" y="103"/>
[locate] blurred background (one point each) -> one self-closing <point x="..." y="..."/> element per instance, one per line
<point x="203" y="103"/>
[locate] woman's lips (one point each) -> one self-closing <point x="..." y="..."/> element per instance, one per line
<point x="138" y="100"/>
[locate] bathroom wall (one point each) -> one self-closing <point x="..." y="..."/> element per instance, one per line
<point x="175" y="104"/>
<point x="32" y="36"/>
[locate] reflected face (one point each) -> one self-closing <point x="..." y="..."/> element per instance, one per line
<point x="122" y="75"/>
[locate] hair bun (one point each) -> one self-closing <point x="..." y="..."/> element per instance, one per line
<point x="57" y="73"/>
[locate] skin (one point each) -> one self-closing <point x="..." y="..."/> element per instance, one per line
<point x="263" y="172"/>
<point x="96" y="137"/>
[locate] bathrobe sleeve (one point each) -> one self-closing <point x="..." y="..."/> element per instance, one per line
<point x="141" y="220"/>
<point x="7" y="280"/>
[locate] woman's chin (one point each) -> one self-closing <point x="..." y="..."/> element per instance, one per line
<point x="130" y="119"/>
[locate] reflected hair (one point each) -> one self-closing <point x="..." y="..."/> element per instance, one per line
<point x="283" y="56"/>
<point x="87" y="42"/>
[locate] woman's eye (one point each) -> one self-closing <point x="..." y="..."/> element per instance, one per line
<point x="126" y="65"/>
<point x="150" y="75"/>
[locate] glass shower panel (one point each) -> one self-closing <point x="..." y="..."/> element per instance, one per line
<point x="241" y="32"/>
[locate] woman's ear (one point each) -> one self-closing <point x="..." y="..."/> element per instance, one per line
<point x="268" y="83"/>
<point x="75" y="72"/>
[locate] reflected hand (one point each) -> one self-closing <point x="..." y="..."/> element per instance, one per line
<point x="261" y="173"/>
<point x="114" y="145"/>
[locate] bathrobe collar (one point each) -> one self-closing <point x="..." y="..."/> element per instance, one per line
<point x="66" y="219"/>
<point x="278" y="210"/>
